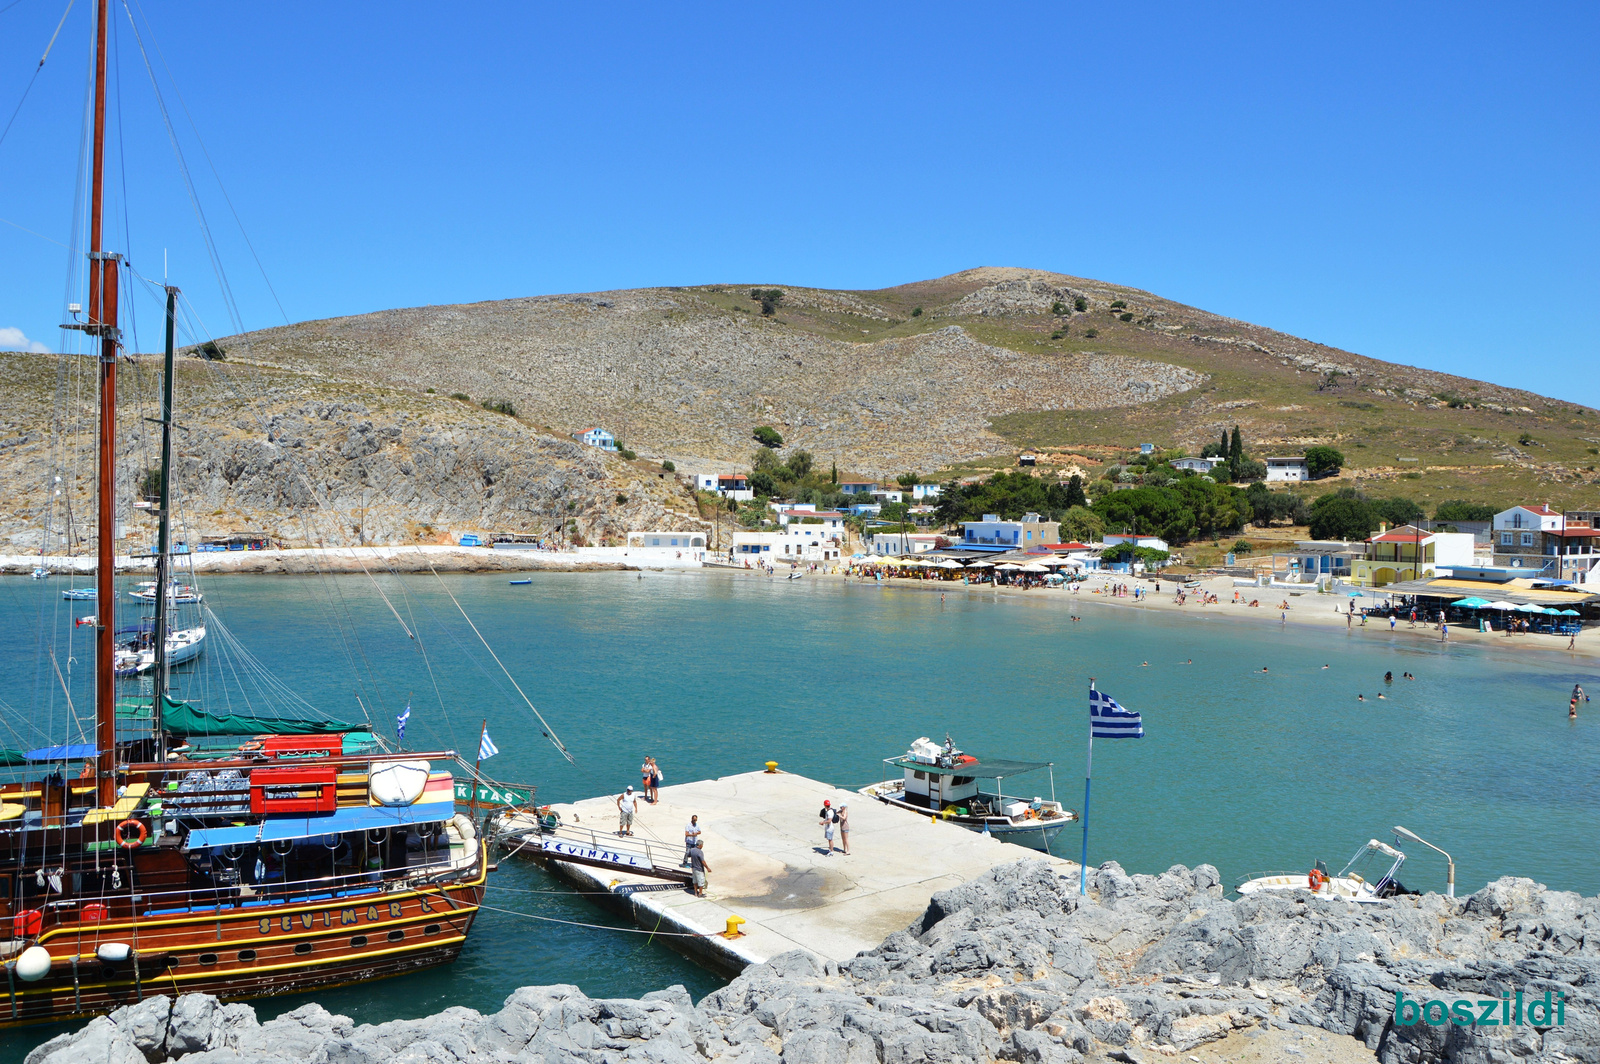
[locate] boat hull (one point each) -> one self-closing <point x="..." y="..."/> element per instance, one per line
<point x="241" y="951"/>
<point x="1034" y="834"/>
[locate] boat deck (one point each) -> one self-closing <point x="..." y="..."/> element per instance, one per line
<point x="769" y="866"/>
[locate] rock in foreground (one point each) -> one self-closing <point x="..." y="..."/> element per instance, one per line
<point x="1012" y="966"/>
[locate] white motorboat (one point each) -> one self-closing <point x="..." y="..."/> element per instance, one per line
<point x="78" y="594"/>
<point x="1355" y="882"/>
<point x="960" y="788"/>
<point x="138" y="656"/>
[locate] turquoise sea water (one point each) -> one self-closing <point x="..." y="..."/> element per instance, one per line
<point x="715" y="673"/>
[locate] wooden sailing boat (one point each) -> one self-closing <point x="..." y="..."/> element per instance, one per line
<point x="290" y="856"/>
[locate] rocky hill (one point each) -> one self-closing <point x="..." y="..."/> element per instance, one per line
<point x="312" y="460"/>
<point x="1014" y="966"/>
<point x="963" y="370"/>
<point x="948" y="376"/>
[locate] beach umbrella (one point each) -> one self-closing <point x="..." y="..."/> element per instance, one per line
<point x="1502" y="605"/>
<point x="1528" y="607"/>
<point x="1471" y="603"/>
<point x="1570" y="613"/>
<point x="1008" y="565"/>
<point x="1552" y="611"/>
<point x="910" y="562"/>
<point x="949" y="563"/>
<point x="981" y="565"/>
<point x="1034" y="567"/>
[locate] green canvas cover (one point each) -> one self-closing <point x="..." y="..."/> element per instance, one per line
<point x="182" y="718"/>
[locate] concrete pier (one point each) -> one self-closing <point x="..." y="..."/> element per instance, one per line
<point x="769" y="865"/>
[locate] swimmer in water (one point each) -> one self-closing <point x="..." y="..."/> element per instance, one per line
<point x="1361" y="698"/>
<point x="1263" y="670"/>
<point x="1324" y="666"/>
<point x="1382" y="695"/>
<point x="1144" y="664"/>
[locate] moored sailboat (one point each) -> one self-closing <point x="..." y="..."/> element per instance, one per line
<point x="233" y="853"/>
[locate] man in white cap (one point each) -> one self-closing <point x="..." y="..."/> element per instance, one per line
<point x="625" y="805"/>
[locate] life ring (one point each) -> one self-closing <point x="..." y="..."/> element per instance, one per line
<point x="138" y="840"/>
<point x="1315" y="879"/>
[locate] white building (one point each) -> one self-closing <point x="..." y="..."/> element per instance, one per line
<point x="858" y="487"/>
<point x="993" y="533"/>
<point x="1289" y="467"/>
<point x="1129" y="540"/>
<point x="901" y="542"/>
<point x="728" y="485"/>
<point x="925" y="491"/>
<point x="801" y="540"/>
<point x="1199" y="465"/>
<point x="597" y="437"/>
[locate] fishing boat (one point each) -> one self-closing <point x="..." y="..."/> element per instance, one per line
<point x="78" y="594"/>
<point x="191" y="849"/>
<point x="520" y="582"/>
<point x="1363" y="878"/>
<point x="968" y="791"/>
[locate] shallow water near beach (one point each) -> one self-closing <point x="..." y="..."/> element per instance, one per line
<point x="716" y="673"/>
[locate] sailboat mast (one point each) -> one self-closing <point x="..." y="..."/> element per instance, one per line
<point x="103" y="324"/>
<point x="158" y="688"/>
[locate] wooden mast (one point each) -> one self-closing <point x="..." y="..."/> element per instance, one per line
<point x="103" y="324"/>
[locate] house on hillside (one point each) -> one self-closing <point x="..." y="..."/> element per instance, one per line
<point x="597" y="437"/>
<point x="925" y="491"/>
<point x="728" y="485"/>
<point x="1198" y="465"/>
<point x="857" y="487"/>
<point x="1288" y="467"/>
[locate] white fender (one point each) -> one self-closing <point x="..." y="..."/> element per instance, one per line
<point x="34" y="964"/>
<point x="114" y="952"/>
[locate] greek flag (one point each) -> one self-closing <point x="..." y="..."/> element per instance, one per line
<point x="486" y="748"/>
<point x="1108" y="720"/>
<point x="400" y="724"/>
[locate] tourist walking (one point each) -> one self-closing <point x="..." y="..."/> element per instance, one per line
<point x="828" y="819"/>
<point x="698" y="869"/>
<point x="626" y="802"/>
<point x="843" y="817"/>
<point x="691" y="837"/>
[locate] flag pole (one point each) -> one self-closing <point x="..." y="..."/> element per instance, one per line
<point x="1088" y="773"/>
<point x="472" y="806"/>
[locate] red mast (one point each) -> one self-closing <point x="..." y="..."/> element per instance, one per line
<point x="103" y="324"/>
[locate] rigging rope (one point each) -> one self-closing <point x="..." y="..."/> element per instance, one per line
<point x="52" y="44"/>
<point x="550" y="733"/>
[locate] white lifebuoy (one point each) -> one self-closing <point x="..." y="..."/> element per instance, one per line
<point x="396" y="783"/>
<point x="34" y="964"/>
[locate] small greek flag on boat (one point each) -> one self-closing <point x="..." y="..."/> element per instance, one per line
<point x="400" y="724"/>
<point x="486" y="747"/>
<point x="1109" y="720"/>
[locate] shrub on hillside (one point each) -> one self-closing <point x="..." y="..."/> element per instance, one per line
<point x="767" y="436"/>
<point x="1462" y="510"/>
<point x="499" y="406"/>
<point x="1126" y="316"/>
<point x="1091" y="333"/>
<point x="668" y="466"/>
<point x="1080" y="304"/>
<point x="916" y="312"/>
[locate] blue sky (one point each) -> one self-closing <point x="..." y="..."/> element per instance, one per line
<point x="1415" y="183"/>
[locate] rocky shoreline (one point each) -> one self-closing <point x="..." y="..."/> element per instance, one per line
<point x="1012" y="966"/>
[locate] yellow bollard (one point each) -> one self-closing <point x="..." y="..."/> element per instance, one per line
<point x="933" y="820"/>
<point x="733" y="927"/>
<point x="772" y="766"/>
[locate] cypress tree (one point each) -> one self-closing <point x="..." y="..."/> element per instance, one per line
<point x="1075" y="496"/>
<point x="833" y="475"/>
<point x="1222" y="448"/>
<point x="1236" y="448"/>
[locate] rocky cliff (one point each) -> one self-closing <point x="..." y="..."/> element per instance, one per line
<point x="310" y="460"/>
<point x="1014" y="966"/>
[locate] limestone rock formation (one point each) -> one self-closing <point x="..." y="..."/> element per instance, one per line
<point x="1013" y="966"/>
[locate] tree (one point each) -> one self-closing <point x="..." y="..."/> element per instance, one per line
<point x="1075" y="495"/>
<point x="800" y="465"/>
<point x="1343" y="514"/>
<point x="1236" y="447"/>
<point x="908" y="480"/>
<point x="668" y="466"/>
<point x="1080" y="304"/>
<point x="1397" y="511"/>
<point x="765" y="460"/>
<point x="763" y="483"/>
<point x="769" y="298"/>
<point x="1249" y="469"/>
<point x="1081" y="525"/>
<point x="767" y="436"/>
<point x="833" y="474"/>
<point x="1323" y="462"/>
<point x="1461" y="510"/>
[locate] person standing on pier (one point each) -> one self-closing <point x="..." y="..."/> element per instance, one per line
<point x="626" y="802"/>
<point x="691" y="837"/>
<point x="828" y="818"/>
<point x="843" y="816"/>
<point x="698" y="869"/>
